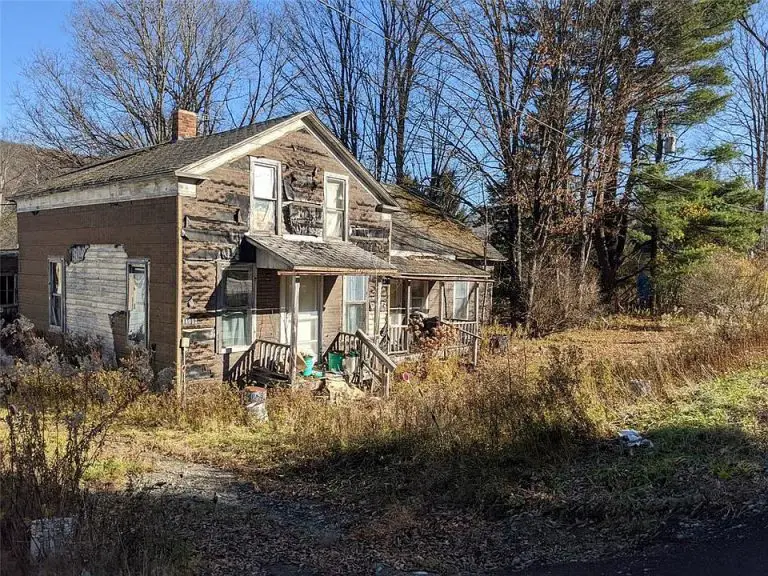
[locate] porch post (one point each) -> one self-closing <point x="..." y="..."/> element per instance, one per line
<point x="294" y="291"/>
<point x="407" y="314"/>
<point x="441" y="299"/>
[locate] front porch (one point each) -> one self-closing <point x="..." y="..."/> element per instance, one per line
<point x="322" y="300"/>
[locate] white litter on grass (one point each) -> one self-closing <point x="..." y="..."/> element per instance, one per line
<point x="632" y="439"/>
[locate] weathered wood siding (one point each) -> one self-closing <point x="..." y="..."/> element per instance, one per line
<point x="216" y="219"/>
<point x="144" y="229"/>
<point x="96" y="295"/>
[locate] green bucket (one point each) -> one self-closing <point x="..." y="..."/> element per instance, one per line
<point x="335" y="360"/>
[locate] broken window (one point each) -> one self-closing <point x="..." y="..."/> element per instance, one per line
<point x="138" y="302"/>
<point x="265" y="176"/>
<point x="237" y="296"/>
<point x="56" y="293"/>
<point x="335" y="207"/>
<point x="355" y="298"/>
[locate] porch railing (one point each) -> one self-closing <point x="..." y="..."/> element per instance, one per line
<point x="373" y="363"/>
<point x="398" y="339"/>
<point x="262" y="355"/>
<point x="468" y="336"/>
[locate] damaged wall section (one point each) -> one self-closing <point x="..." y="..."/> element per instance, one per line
<point x="95" y="295"/>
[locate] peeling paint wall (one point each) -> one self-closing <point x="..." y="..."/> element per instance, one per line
<point x="95" y="294"/>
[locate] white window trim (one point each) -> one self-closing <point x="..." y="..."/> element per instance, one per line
<point x="221" y="268"/>
<point x="470" y="290"/>
<point x="345" y="222"/>
<point x="344" y="301"/>
<point x="63" y="327"/>
<point x="136" y="262"/>
<point x="277" y="166"/>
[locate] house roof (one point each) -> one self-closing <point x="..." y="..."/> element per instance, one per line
<point x="421" y="227"/>
<point x="190" y="156"/>
<point x="151" y="161"/>
<point x="321" y="257"/>
<point x="9" y="239"/>
<point x="435" y="267"/>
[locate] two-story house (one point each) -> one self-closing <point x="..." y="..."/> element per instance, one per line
<point x="237" y="251"/>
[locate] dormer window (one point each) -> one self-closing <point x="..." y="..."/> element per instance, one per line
<point x="335" y="207"/>
<point x="265" y="195"/>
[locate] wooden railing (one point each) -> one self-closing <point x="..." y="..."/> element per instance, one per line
<point x="344" y="343"/>
<point x="398" y="339"/>
<point x="373" y="363"/>
<point x="468" y="336"/>
<point x="262" y="355"/>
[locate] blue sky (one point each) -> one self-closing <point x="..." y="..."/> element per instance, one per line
<point x="25" y="27"/>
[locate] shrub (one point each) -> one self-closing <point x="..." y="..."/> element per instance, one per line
<point x="725" y="284"/>
<point x="563" y="296"/>
<point x="57" y="418"/>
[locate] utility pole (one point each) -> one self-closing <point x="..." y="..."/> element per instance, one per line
<point x="661" y="129"/>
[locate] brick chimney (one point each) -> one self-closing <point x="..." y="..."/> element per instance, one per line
<point x="183" y="125"/>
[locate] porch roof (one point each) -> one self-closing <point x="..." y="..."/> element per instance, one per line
<point x="436" y="267"/>
<point x="305" y="257"/>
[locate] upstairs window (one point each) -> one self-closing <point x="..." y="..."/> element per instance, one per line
<point x="335" y="206"/>
<point x="355" y="303"/>
<point x="265" y="195"/>
<point x="56" y="293"/>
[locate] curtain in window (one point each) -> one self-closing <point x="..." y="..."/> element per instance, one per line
<point x="235" y="329"/>
<point x="355" y="299"/>
<point x="461" y="292"/>
<point x="334" y="208"/>
<point x="137" y="304"/>
<point x="55" y="310"/>
<point x="237" y="286"/>
<point x="263" y="204"/>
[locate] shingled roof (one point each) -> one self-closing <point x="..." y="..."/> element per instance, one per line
<point x="421" y="227"/>
<point x="305" y="256"/>
<point x="153" y="160"/>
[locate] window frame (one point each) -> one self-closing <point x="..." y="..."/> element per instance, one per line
<point x="14" y="299"/>
<point x="136" y="262"/>
<point x="222" y="269"/>
<point x="61" y="294"/>
<point x="346" y="302"/>
<point x="276" y="166"/>
<point x="345" y="211"/>
<point x="470" y="291"/>
<point x="425" y="283"/>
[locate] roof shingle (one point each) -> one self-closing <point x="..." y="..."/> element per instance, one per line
<point x="152" y="161"/>
<point x="422" y="227"/>
<point x="322" y="256"/>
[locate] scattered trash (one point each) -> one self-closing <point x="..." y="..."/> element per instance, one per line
<point x="633" y="439"/>
<point x="339" y="391"/>
<point x="255" y="398"/>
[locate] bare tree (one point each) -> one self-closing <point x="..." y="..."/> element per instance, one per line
<point x="748" y="107"/>
<point x="330" y="65"/>
<point x="134" y="61"/>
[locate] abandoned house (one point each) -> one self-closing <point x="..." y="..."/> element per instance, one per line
<point x="242" y="252"/>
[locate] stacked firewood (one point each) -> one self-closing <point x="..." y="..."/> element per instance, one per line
<point x="428" y="332"/>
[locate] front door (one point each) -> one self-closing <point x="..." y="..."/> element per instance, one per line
<point x="309" y="313"/>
